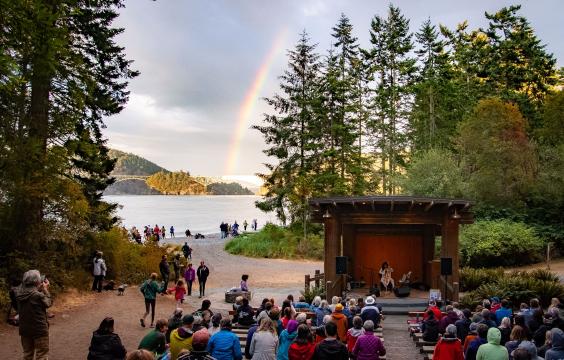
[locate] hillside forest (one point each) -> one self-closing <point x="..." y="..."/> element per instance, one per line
<point x="424" y="110"/>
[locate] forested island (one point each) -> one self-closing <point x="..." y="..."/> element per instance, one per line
<point x="136" y="175"/>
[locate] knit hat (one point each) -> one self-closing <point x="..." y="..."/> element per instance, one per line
<point x="338" y="307"/>
<point x="201" y="337"/>
<point x="292" y="326"/>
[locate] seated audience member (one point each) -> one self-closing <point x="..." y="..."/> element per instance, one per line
<point x="547" y="344"/>
<point x="225" y="345"/>
<point x="463" y="325"/>
<point x="557" y="349"/>
<point x="105" y="343"/>
<point x="330" y="348"/>
<point x="503" y="311"/>
<point x="486" y="319"/>
<point x="449" y="346"/>
<point x="472" y="349"/>
<point x="505" y="330"/>
<point x="450" y="318"/>
<point x="140" y="354"/>
<point x="370" y="311"/>
<point x="436" y="311"/>
<point x="530" y="348"/>
<point x="472" y="335"/>
<point x="302" y="304"/>
<point x="341" y="321"/>
<point x="181" y="338"/>
<point x="199" y="343"/>
<point x="517" y="336"/>
<point x="174" y="322"/>
<point x="354" y="332"/>
<point x="368" y="346"/>
<point x="245" y="313"/>
<point x="430" y="327"/>
<point x="303" y="346"/>
<point x="492" y="350"/>
<point x="155" y="340"/>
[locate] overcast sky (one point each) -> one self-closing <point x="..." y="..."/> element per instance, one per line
<point x="198" y="60"/>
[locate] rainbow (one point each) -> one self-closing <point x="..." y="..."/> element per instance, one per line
<point x="250" y="101"/>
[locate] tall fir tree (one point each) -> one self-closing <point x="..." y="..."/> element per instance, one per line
<point x="288" y="132"/>
<point x="393" y="69"/>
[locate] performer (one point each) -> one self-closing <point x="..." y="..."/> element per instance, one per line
<point x="386" y="276"/>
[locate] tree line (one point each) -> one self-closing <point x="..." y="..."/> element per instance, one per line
<point x="474" y="113"/>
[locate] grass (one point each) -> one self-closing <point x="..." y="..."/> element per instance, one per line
<point x="277" y="242"/>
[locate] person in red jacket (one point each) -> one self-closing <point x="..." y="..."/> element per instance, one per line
<point x="303" y="346"/>
<point x="433" y="307"/>
<point x="449" y="346"/>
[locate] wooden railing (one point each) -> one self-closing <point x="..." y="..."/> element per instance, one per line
<point x="318" y="278"/>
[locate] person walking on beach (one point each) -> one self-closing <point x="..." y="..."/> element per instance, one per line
<point x="245" y="224"/>
<point x="99" y="272"/>
<point x="189" y="276"/>
<point x="203" y="272"/>
<point x="149" y="289"/>
<point x="164" y="268"/>
<point x="163" y="231"/>
<point x="187" y="251"/>
<point x="33" y="300"/>
<point x="172" y="231"/>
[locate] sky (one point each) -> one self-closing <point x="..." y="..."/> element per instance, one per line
<point x="207" y="65"/>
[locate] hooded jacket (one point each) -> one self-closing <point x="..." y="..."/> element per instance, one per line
<point x="225" y="345"/>
<point x="352" y="337"/>
<point x="557" y="350"/>
<point x="32" y="308"/>
<point x="493" y="350"/>
<point x="299" y="351"/>
<point x="330" y="349"/>
<point x="99" y="267"/>
<point x="286" y="339"/>
<point x="342" y="325"/>
<point x="448" y="349"/>
<point x="106" y="347"/>
<point x="180" y="338"/>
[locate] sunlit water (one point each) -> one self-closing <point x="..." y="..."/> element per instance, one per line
<point x="200" y="214"/>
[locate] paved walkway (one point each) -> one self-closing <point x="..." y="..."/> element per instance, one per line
<point x="398" y="343"/>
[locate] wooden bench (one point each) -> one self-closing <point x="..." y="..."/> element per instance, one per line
<point x="427" y="349"/>
<point x="420" y="343"/>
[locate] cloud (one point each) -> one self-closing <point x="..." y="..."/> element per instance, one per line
<point x="314" y="8"/>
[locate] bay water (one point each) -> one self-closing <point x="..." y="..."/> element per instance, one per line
<point x="199" y="213"/>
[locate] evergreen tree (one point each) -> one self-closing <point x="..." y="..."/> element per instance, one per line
<point x="288" y="132"/>
<point x="61" y="73"/>
<point x="393" y="70"/>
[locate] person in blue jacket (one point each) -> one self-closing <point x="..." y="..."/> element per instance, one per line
<point x="503" y="311"/>
<point x="225" y="345"/>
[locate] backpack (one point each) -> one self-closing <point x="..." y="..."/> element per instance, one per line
<point x="145" y="288"/>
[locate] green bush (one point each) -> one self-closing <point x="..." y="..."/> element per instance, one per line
<point x="313" y="292"/>
<point x="499" y="243"/>
<point x="274" y="241"/>
<point x="517" y="286"/>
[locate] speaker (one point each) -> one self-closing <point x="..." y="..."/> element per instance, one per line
<point x="446" y="266"/>
<point x="402" y="291"/>
<point x="341" y="262"/>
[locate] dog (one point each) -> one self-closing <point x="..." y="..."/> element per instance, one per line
<point x="121" y="289"/>
<point x="199" y="236"/>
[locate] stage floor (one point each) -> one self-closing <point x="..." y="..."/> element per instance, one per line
<point x="417" y="299"/>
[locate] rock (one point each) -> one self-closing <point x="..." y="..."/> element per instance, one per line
<point x="230" y="296"/>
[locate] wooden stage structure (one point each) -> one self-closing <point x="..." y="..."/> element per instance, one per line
<point x="401" y="230"/>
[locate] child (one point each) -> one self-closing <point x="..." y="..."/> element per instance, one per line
<point x="179" y="292"/>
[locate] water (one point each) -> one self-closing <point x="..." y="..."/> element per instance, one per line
<point x="200" y="214"/>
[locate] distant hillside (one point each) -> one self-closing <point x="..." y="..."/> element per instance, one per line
<point x="175" y="183"/>
<point x="228" y="189"/>
<point x="131" y="164"/>
<point x="130" y="187"/>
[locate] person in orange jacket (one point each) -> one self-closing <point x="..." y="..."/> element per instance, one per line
<point x="341" y="321"/>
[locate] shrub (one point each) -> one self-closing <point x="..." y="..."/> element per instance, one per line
<point x="499" y="242"/>
<point x="471" y="279"/>
<point x="313" y="292"/>
<point x="274" y="241"/>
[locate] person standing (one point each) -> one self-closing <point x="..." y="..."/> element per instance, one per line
<point x="33" y="300"/>
<point x="203" y="272"/>
<point x="172" y="231"/>
<point x="99" y="272"/>
<point x="176" y="266"/>
<point x="163" y="231"/>
<point x="245" y="224"/>
<point x="189" y="276"/>
<point x="164" y="268"/>
<point x="157" y="232"/>
<point x="187" y="251"/>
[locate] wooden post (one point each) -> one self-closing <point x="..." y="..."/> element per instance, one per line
<point x="332" y="244"/>
<point x="307" y="281"/>
<point x="317" y="277"/>
<point x="449" y="248"/>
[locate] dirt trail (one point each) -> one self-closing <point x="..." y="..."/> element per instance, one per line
<point x="80" y="314"/>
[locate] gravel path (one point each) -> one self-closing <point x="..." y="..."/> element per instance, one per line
<point x="77" y="316"/>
